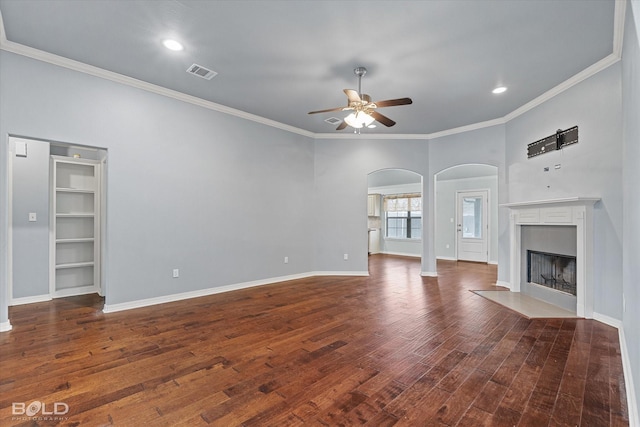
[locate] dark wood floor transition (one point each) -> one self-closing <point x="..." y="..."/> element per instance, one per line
<point x="390" y="349"/>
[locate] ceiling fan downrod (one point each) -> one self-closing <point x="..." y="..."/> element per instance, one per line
<point x="360" y="71"/>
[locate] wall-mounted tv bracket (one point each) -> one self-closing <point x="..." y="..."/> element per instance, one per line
<point x="560" y="139"/>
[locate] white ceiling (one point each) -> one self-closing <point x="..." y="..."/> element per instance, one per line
<point x="280" y="59"/>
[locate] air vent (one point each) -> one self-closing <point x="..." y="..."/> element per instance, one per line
<point x="333" y="120"/>
<point x="200" y="71"/>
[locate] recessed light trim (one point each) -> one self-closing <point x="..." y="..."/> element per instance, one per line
<point x="499" y="89"/>
<point x="174" y="45"/>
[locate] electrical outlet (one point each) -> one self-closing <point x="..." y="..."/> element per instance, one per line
<point x="33" y="217"/>
<point x="346" y="257"/>
<point x="286" y="260"/>
<point x="176" y="273"/>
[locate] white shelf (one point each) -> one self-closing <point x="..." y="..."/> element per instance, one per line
<point x="75" y="215"/>
<point x="74" y="190"/>
<point x="75" y="265"/>
<point x="75" y="208"/>
<point x="77" y="240"/>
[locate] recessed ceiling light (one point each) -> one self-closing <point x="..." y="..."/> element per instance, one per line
<point x="499" y="89"/>
<point x="172" y="45"/>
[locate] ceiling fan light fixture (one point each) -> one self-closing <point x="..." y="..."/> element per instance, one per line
<point x="359" y="119"/>
<point x="499" y="89"/>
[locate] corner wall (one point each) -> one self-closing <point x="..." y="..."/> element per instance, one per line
<point x="592" y="167"/>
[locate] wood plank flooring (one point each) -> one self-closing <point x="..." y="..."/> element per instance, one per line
<point x="390" y="349"/>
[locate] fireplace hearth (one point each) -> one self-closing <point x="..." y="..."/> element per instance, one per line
<point x="552" y="271"/>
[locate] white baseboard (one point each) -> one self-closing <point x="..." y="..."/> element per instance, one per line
<point x="72" y="292"/>
<point x="447" y="258"/>
<point x="632" y="408"/>
<point x="607" y="320"/>
<point x="402" y="254"/>
<point x="112" y="308"/>
<point x="503" y="284"/>
<point x="338" y="273"/>
<point x="5" y="326"/>
<point x="429" y="274"/>
<point x="634" y="418"/>
<point x="30" y="300"/>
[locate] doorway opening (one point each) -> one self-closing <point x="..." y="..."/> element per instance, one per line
<point x="56" y="212"/>
<point x="466" y="213"/>
<point x="394" y="213"/>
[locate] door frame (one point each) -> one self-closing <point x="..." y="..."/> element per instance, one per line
<point x="486" y="221"/>
<point x="10" y="151"/>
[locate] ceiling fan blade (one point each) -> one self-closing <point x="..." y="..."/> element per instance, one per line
<point x="393" y="102"/>
<point x="382" y="119"/>
<point x="342" y="125"/>
<point x="328" y="110"/>
<point x="353" y="96"/>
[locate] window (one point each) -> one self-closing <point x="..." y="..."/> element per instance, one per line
<point x="403" y="216"/>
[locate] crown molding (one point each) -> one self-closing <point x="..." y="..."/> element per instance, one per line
<point x="615" y="56"/>
<point x="81" y="67"/>
<point x="619" y="13"/>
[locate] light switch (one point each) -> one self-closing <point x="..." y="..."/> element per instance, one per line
<point x="33" y="217"/>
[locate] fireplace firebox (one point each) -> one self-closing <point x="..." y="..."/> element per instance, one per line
<point x="553" y="271"/>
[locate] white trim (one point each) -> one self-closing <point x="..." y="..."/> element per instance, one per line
<point x="72" y="292"/>
<point x="9" y="256"/>
<point x="401" y="253"/>
<point x="338" y="273"/>
<point x="112" y="308"/>
<point x="607" y="320"/>
<point x="618" y="26"/>
<point x="50" y="58"/>
<point x="429" y="274"/>
<point x="503" y="284"/>
<point x="486" y="220"/>
<point x="30" y="300"/>
<point x="5" y="326"/>
<point x="632" y="408"/>
<point x="447" y="258"/>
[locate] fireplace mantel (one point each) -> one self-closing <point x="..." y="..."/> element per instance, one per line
<point x="569" y="201"/>
<point x="572" y="211"/>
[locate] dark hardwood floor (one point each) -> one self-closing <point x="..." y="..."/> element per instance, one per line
<point x="390" y="349"/>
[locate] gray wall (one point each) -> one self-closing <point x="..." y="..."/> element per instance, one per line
<point x="590" y="168"/>
<point x="341" y="169"/>
<point x="31" y="239"/>
<point x="631" y="180"/>
<point x="482" y="146"/>
<point x="188" y="187"/>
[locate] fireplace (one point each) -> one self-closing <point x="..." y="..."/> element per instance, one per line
<point x="553" y="271"/>
<point x="568" y="284"/>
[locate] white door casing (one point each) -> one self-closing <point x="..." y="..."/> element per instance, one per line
<point x="472" y="240"/>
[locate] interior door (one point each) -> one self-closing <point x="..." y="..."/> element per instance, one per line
<point x="472" y="226"/>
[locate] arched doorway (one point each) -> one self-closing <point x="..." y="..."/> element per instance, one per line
<point x="395" y="212"/>
<point x="466" y="212"/>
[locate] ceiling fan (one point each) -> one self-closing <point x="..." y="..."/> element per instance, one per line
<point x="364" y="110"/>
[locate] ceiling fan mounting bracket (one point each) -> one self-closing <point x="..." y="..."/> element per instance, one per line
<point x="360" y="71"/>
